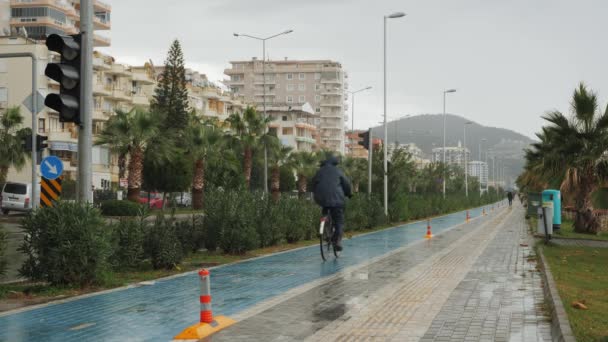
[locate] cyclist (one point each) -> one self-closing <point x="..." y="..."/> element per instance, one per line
<point x="330" y="187"/>
<point x="510" y="197"/>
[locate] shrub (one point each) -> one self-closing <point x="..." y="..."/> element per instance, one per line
<point x="3" y="262"/>
<point x="120" y="208"/>
<point x="293" y="219"/>
<point x="357" y="216"/>
<point x="127" y="242"/>
<point x="190" y="234"/>
<point x="65" y="245"/>
<point x="231" y="221"/>
<point x="268" y="225"/>
<point x="162" y="245"/>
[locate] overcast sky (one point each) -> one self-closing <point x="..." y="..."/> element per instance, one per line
<point x="511" y="61"/>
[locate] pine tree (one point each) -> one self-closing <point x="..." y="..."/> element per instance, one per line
<point x="171" y="94"/>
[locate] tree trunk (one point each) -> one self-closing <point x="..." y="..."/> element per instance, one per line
<point x="247" y="166"/>
<point x="3" y="174"/>
<point x="136" y="165"/>
<point x="356" y="187"/>
<point x="301" y="185"/>
<point x="585" y="221"/>
<point x="198" y="184"/>
<point x="275" y="183"/>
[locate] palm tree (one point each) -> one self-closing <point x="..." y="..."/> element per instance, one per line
<point x="249" y="130"/>
<point x="356" y="170"/>
<point x="573" y="150"/>
<point x="279" y="157"/>
<point x="305" y="164"/>
<point x="202" y="139"/>
<point x="12" y="153"/>
<point x="129" y="133"/>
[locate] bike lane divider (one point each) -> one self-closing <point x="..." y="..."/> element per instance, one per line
<point x="161" y="310"/>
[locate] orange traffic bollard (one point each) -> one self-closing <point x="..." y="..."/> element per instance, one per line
<point x="208" y="324"/>
<point x="429" y="234"/>
<point x="468" y="217"/>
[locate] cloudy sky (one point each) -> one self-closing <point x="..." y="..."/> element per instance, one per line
<point x="511" y="61"/>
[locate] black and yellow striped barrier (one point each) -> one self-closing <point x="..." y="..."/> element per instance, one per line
<point x="50" y="191"/>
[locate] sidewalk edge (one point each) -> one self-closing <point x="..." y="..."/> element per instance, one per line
<point x="560" y="325"/>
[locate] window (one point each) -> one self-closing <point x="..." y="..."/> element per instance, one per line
<point x="4" y="96"/>
<point x="289" y="99"/>
<point x="302" y="99"/>
<point x="272" y="131"/>
<point x="284" y="117"/>
<point x="290" y="76"/>
<point x="287" y="130"/>
<point x="3" y="67"/>
<point x="302" y="76"/>
<point x="318" y="110"/>
<point x="291" y="87"/>
<point x="100" y="155"/>
<point x="317" y="98"/>
<point x="301" y="86"/>
<point x="236" y="77"/>
<point x="317" y="87"/>
<point x="41" y="126"/>
<point x="317" y="75"/>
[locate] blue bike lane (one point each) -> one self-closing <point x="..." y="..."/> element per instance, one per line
<point x="160" y="311"/>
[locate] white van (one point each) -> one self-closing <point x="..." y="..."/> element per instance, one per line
<point x="16" y="197"/>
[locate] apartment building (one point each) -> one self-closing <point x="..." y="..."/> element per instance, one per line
<point x="294" y="125"/>
<point x="320" y="83"/>
<point x="417" y="156"/>
<point x="40" y="18"/>
<point x="454" y="155"/>
<point x="479" y="169"/>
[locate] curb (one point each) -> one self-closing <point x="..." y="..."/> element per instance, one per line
<point x="560" y="325"/>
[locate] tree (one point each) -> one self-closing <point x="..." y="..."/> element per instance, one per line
<point x="305" y="164"/>
<point x="202" y="140"/>
<point x="356" y="170"/>
<point x="171" y="94"/>
<point x="12" y="153"/>
<point x="249" y="131"/>
<point x="279" y="157"/>
<point x="130" y="133"/>
<point x="573" y="150"/>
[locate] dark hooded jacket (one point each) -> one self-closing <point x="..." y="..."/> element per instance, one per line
<point x="330" y="186"/>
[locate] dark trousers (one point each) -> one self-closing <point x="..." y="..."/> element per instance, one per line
<point x="337" y="217"/>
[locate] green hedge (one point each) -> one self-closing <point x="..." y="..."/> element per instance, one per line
<point x="66" y="244"/>
<point x="127" y="243"/>
<point x="162" y="245"/>
<point x="120" y="208"/>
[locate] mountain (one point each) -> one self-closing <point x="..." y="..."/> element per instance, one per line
<point x="426" y="131"/>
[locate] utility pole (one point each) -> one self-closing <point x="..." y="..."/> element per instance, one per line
<point x="369" y="163"/>
<point x="85" y="136"/>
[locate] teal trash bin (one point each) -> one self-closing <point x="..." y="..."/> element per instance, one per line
<point x="555" y="197"/>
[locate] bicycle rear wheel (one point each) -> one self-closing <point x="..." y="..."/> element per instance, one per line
<point x="325" y="231"/>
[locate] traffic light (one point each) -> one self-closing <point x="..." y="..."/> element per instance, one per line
<point x="41" y="142"/>
<point x="26" y="142"/>
<point x="67" y="74"/>
<point x="364" y="139"/>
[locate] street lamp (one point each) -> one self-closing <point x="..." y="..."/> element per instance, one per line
<point x="264" y="91"/>
<point x="352" y="93"/>
<point x="466" y="166"/>
<point x="481" y="168"/>
<point x="390" y="16"/>
<point x="444" y="116"/>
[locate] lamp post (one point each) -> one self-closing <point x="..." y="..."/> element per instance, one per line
<point x="444" y="116"/>
<point x="264" y="91"/>
<point x="466" y="167"/>
<point x="352" y="93"/>
<point x="481" y="168"/>
<point x="386" y="17"/>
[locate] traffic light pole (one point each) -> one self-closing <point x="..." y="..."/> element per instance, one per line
<point x="35" y="195"/>
<point x="85" y="136"/>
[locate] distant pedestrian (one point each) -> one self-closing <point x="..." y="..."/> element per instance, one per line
<point x="510" y="197"/>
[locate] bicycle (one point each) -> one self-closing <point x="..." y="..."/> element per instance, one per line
<point x="326" y="232"/>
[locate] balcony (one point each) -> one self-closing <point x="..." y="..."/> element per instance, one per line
<point x="234" y="72"/>
<point x="100" y="63"/>
<point x="101" y="114"/>
<point x="69" y="135"/>
<point x="306" y="140"/>
<point x="101" y="23"/>
<point x="331" y="104"/>
<point x="119" y="70"/>
<point x="101" y="40"/>
<point x="119" y="94"/>
<point x="141" y="100"/>
<point x="331" y="81"/>
<point x="142" y="78"/>
<point x="305" y="125"/>
<point x="268" y="81"/>
<point x="100" y="89"/>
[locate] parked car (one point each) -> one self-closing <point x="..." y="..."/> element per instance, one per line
<point x="183" y="199"/>
<point x="16" y="197"/>
<point x="156" y="199"/>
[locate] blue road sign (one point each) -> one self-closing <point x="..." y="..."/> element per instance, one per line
<point x="51" y="167"/>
